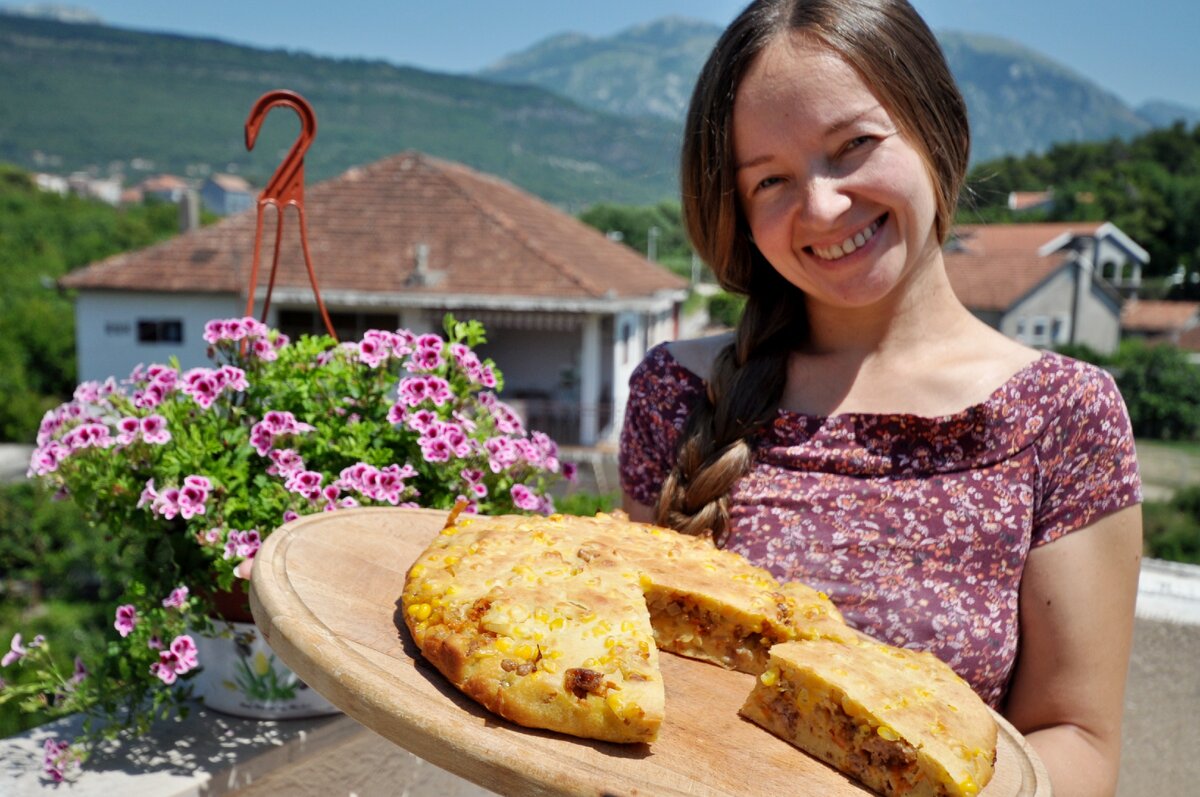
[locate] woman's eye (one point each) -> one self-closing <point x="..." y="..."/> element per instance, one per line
<point x="855" y="143"/>
<point x="766" y="182"/>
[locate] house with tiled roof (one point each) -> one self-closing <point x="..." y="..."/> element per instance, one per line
<point x="400" y="243"/>
<point x="1159" y="321"/>
<point x="225" y="194"/>
<point x="1047" y="284"/>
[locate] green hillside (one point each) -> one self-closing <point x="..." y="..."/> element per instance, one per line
<point x="77" y="96"/>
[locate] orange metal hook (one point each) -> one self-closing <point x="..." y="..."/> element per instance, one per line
<point x="285" y="188"/>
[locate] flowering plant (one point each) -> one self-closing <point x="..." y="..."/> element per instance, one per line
<point x="186" y="472"/>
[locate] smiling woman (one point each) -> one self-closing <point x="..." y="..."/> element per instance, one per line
<point x="952" y="490"/>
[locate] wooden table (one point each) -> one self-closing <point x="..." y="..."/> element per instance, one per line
<point x="326" y="593"/>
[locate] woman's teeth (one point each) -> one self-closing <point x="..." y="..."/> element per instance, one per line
<point x="850" y="244"/>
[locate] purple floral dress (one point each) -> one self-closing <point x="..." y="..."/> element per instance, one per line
<point x="916" y="527"/>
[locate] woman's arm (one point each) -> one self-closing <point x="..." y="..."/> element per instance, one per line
<point x="639" y="513"/>
<point x="1067" y="692"/>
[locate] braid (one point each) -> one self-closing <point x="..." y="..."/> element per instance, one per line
<point x="747" y="382"/>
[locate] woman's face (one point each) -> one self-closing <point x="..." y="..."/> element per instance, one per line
<point x="837" y="200"/>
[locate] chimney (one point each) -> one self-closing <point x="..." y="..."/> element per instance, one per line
<point x="189" y="210"/>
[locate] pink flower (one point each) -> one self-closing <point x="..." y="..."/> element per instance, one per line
<point x="154" y="429"/>
<point x="285" y="462"/>
<point x="438" y="390"/>
<point x="244" y="544"/>
<point x="422" y="421"/>
<point x="412" y="390"/>
<point x="80" y="675"/>
<point x="57" y="758"/>
<point x="164" y="668"/>
<point x="186" y="656"/>
<point x="524" y="498"/>
<point x="127" y="430"/>
<point x="126" y="619"/>
<point x="148" y="496"/>
<point x="15" y="653"/>
<point x="264" y="350"/>
<point x="177" y="599"/>
<point x="436" y="449"/>
<point x="570" y="472"/>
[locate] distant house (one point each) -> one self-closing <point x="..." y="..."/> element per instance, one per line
<point x="226" y="194"/>
<point x="1047" y="284"/>
<point x="1159" y="321"/>
<point x="166" y="187"/>
<point x="1027" y="201"/>
<point x="399" y="243"/>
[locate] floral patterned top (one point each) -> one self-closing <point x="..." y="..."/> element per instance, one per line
<point x="916" y="527"/>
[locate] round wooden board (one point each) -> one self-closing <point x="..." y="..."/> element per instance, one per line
<point x="326" y="590"/>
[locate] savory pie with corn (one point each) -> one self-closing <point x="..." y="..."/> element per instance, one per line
<point x="556" y="622"/>
<point x="899" y="721"/>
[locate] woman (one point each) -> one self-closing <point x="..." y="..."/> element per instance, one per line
<point x="862" y="431"/>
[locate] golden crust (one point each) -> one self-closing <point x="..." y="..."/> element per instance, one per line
<point x="900" y="721"/>
<point x="545" y="621"/>
<point x="557" y="622"/>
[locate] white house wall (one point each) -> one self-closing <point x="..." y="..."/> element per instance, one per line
<point x="106" y="338"/>
<point x="534" y="362"/>
<point x="1045" y="317"/>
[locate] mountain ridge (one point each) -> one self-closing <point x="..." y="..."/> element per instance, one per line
<point x="1020" y="100"/>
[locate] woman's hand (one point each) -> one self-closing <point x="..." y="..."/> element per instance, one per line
<point x="1068" y="689"/>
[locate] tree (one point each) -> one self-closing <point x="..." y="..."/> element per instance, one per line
<point x="1161" y="389"/>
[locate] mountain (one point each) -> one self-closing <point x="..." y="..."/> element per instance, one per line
<point x="647" y="70"/>
<point x="1018" y="100"/>
<point x="88" y="96"/>
<point x="1160" y="113"/>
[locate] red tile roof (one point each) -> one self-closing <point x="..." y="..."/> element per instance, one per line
<point x="1147" y="316"/>
<point x="484" y="238"/>
<point x="991" y="266"/>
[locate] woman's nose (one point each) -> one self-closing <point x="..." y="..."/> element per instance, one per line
<point x="823" y="201"/>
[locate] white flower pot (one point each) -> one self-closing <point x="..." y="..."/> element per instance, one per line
<point x="241" y="676"/>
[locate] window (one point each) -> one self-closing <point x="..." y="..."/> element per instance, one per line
<point x="1060" y="330"/>
<point x="160" y="331"/>
<point x="1039" y="331"/>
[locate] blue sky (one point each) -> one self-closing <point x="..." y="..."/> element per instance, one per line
<point x="1138" y="50"/>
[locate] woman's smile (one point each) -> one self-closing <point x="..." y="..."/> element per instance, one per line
<point x="850" y="245"/>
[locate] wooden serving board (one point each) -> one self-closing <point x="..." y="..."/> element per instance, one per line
<point x="326" y="593"/>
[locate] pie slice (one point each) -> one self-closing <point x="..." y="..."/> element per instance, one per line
<point x="556" y="622"/>
<point x="899" y="721"/>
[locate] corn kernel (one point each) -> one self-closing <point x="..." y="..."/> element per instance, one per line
<point x="609" y="641"/>
<point x="449" y="532"/>
<point x="546" y="665"/>
<point x="589" y="662"/>
<point x="452" y="590"/>
<point x="587" y="618"/>
<point x="887" y="733"/>
<point x="628" y="626"/>
<point x="420" y="611"/>
<point x="557" y="623"/>
<point x="542" y="616"/>
<point x="525" y="651"/>
<point x="503" y="644"/>
<point x="416" y="571"/>
<point x="450" y="561"/>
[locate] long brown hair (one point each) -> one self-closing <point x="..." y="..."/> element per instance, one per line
<point x="896" y="54"/>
